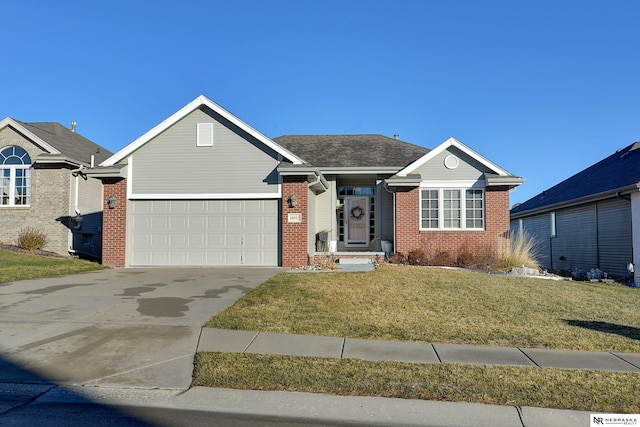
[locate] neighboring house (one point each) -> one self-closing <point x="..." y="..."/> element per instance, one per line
<point x="43" y="186"/>
<point x="205" y="188"/>
<point x="589" y="221"/>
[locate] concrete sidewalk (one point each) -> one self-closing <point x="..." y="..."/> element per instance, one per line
<point x="230" y="341"/>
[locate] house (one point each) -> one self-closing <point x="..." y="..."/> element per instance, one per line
<point x="43" y="186"/>
<point x="205" y="188"/>
<point x="590" y="220"/>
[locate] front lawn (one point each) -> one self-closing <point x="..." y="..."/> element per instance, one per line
<point x="437" y="306"/>
<point x="16" y="266"/>
<point x="443" y="306"/>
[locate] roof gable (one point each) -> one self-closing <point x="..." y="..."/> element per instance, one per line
<point x="615" y="173"/>
<point x="201" y="101"/>
<point x="452" y="142"/>
<point x="352" y="151"/>
<point x="58" y="141"/>
<point x="21" y="127"/>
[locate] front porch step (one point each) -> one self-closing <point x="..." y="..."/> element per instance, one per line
<point x="356" y="261"/>
<point x="356" y="264"/>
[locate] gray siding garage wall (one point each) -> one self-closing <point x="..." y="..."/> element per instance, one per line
<point x="171" y="163"/>
<point x="596" y="235"/>
<point x="576" y="239"/>
<point x="615" y="236"/>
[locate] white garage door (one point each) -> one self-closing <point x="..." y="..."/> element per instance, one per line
<point x="203" y="232"/>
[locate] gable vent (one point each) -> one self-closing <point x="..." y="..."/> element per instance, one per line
<point x="204" y="136"/>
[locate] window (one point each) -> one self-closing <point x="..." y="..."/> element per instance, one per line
<point x="15" y="177"/>
<point x="553" y="224"/>
<point x="452" y="208"/>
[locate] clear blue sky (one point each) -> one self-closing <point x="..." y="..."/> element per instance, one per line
<point x="543" y="88"/>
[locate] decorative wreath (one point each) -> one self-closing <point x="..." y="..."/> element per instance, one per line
<point x="357" y="212"/>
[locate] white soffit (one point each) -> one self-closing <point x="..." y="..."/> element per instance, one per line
<point x="452" y="142"/>
<point x="183" y="112"/>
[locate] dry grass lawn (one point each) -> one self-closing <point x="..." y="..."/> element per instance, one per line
<point x="443" y="306"/>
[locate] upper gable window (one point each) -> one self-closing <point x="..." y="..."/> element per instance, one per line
<point x="15" y="177"/>
<point x="204" y="135"/>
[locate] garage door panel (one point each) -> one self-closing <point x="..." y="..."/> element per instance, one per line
<point x="214" y="232"/>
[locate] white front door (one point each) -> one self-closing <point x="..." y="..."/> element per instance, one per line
<point x="356" y="216"/>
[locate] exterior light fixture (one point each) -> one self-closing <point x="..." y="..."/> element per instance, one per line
<point x="112" y="202"/>
<point x="293" y="201"/>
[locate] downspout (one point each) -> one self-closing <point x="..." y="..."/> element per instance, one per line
<point x="78" y="218"/>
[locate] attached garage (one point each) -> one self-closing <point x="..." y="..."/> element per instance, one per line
<point x="203" y="233"/>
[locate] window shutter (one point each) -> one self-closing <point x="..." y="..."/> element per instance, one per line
<point x="204" y="135"/>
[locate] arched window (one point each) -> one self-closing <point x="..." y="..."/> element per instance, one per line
<point x="15" y="177"/>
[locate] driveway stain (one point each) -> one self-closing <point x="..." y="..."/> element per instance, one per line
<point x="55" y="288"/>
<point x="135" y="292"/>
<point x="217" y="293"/>
<point x="163" y="307"/>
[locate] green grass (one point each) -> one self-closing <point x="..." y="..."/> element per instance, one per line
<point x="443" y="306"/>
<point x="438" y="306"/>
<point x="598" y="391"/>
<point x="16" y="266"/>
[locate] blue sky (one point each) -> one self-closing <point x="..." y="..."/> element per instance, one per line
<point x="542" y="88"/>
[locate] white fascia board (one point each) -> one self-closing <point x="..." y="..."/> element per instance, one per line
<point x="8" y="121"/>
<point x="452" y="142"/>
<point x="184" y="111"/>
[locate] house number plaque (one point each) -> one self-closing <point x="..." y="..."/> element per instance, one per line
<point x="294" y="217"/>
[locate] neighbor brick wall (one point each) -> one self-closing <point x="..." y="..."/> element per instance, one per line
<point x="295" y="235"/>
<point x="114" y="225"/>
<point x="409" y="236"/>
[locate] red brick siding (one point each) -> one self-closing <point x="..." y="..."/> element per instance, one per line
<point x="114" y="223"/>
<point x="409" y="236"/>
<point x="295" y="235"/>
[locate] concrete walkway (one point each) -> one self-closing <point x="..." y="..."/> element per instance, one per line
<point x="228" y="341"/>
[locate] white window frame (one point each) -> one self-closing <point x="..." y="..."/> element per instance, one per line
<point x="462" y="187"/>
<point x="552" y="219"/>
<point x="12" y="168"/>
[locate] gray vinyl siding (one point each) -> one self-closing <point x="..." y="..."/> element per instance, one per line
<point x="171" y="163"/>
<point x="468" y="169"/>
<point x="576" y="239"/>
<point x="614" y="236"/>
<point x="385" y="213"/>
<point x="312" y="219"/>
<point x="87" y="238"/>
<point x="539" y="228"/>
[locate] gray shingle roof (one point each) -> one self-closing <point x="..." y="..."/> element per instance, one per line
<point x="350" y="151"/>
<point x="71" y="144"/>
<point x="619" y="170"/>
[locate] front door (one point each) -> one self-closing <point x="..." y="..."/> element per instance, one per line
<point x="356" y="216"/>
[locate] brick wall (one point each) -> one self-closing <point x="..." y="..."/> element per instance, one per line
<point x="295" y="235"/>
<point x="409" y="236"/>
<point x="114" y="228"/>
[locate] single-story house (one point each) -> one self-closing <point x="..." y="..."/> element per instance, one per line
<point x="43" y="186"/>
<point x="589" y="221"/>
<point x="205" y="188"/>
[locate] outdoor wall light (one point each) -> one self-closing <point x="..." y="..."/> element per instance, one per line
<point x="111" y="202"/>
<point x="293" y="201"/>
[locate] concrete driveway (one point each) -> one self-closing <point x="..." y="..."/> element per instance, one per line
<point x="127" y="327"/>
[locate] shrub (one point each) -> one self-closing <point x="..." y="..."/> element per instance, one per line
<point x="31" y="239"/>
<point x="522" y="251"/>
<point x="417" y="257"/>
